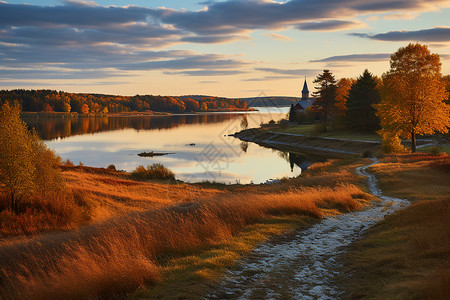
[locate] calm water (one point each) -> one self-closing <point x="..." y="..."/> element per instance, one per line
<point x="199" y="146"/>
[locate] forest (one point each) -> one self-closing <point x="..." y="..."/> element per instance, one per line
<point x="54" y="101"/>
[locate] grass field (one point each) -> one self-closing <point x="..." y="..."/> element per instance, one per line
<point x="155" y="238"/>
<point x="310" y="130"/>
<point x="406" y="256"/>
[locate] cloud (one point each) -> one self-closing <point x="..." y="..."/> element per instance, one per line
<point x="330" y="25"/>
<point x="355" y="57"/>
<point x="81" y="35"/>
<point x="204" y="61"/>
<point x="206" y="72"/>
<point x="234" y="16"/>
<point x="269" y="78"/>
<point x="69" y="15"/>
<point x="79" y="3"/>
<point x="280" y="37"/>
<point x="293" y="72"/>
<point x="23" y="74"/>
<point x="213" y="39"/>
<point x="436" y="34"/>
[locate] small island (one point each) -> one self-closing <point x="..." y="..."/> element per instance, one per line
<point x="152" y="154"/>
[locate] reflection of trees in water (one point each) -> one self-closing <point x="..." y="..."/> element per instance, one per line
<point x="49" y="129"/>
<point x="299" y="161"/>
<point x="244" y="146"/>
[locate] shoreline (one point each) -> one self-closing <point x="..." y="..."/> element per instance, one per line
<point x="74" y="115"/>
<point x="294" y="142"/>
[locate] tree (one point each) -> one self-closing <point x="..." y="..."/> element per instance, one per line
<point x="413" y="94"/>
<point x="27" y="166"/>
<point x="85" y="108"/>
<point x="66" y="107"/>
<point x="342" y="90"/>
<point x="361" y="98"/>
<point x="48" y="180"/>
<point x="446" y="80"/>
<point x="16" y="167"/>
<point x="292" y="114"/>
<point x="244" y="122"/>
<point x="326" y="96"/>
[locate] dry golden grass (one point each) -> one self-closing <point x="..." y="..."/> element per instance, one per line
<point x="407" y="255"/>
<point x="118" y="256"/>
<point x="113" y="195"/>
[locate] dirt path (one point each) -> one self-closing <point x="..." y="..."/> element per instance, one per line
<point x="304" y="265"/>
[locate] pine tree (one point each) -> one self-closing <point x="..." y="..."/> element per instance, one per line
<point x="361" y="98"/>
<point x="326" y="96"/>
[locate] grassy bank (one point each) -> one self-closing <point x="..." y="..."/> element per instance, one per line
<point x="406" y="256"/>
<point x="332" y="146"/>
<point x="311" y="130"/>
<point x="165" y="239"/>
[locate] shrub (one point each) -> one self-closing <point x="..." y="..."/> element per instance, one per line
<point x="391" y="143"/>
<point x="155" y="171"/>
<point x="68" y="163"/>
<point x="111" y="167"/>
<point x="435" y="150"/>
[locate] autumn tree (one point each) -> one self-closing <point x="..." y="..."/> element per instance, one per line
<point x="413" y="94"/>
<point x="16" y="167"/>
<point x="85" y="108"/>
<point x="326" y="96"/>
<point x="361" y="98"/>
<point x="244" y="122"/>
<point x="342" y="89"/>
<point x="27" y="166"/>
<point x="48" y="180"/>
<point x="446" y="80"/>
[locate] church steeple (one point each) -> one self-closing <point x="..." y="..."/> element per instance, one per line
<point x="305" y="91"/>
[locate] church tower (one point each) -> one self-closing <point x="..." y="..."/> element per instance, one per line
<point x="305" y="91"/>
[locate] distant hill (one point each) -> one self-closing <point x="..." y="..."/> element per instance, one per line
<point x="270" y="101"/>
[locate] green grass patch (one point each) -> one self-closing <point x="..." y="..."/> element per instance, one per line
<point x="441" y="149"/>
<point x="310" y="130"/>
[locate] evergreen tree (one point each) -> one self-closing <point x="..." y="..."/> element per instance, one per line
<point x="361" y="98"/>
<point x="326" y="96"/>
<point x="292" y="115"/>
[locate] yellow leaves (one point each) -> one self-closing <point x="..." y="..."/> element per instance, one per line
<point x="413" y="94"/>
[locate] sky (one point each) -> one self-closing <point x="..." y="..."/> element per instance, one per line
<point x="228" y="48"/>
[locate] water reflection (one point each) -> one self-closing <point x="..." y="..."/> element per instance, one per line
<point x="298" y="160"/>
<point x="50" y="129"/>
<point x="200" y="143"/>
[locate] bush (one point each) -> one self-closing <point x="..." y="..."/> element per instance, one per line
<point x="111" y="167"/>
<point x="155" y="171"/>
<point x="435" y="150"/>
<point x="391" y="143"/>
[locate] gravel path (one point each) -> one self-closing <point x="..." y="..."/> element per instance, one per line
<point x="304" y="265"/>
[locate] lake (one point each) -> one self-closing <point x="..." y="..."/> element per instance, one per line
<point x="199" y="146"/>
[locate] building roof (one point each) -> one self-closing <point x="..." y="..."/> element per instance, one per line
<point x="305" y="87"/>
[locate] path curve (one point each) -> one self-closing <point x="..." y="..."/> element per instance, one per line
<point x="304" y="265"/>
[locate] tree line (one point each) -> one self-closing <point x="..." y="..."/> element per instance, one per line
<point x="411" y="98"/>
<point x="54" y="101"/>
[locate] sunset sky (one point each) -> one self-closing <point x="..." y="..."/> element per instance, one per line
<point x="225" y="48"/>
